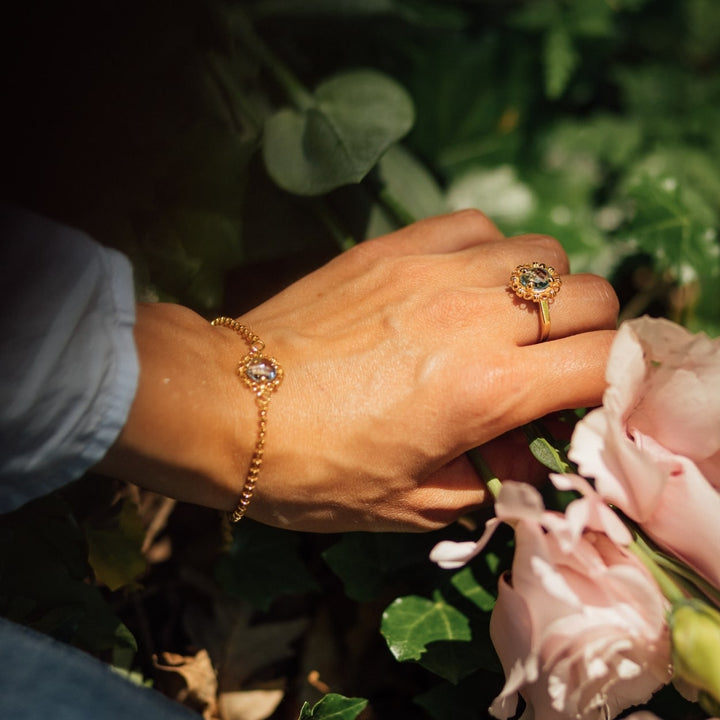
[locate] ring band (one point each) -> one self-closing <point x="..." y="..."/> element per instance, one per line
<point x="538" y="283"/>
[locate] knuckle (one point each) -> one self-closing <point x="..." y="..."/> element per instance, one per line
<point x="599" y="296"/>
<point x="549" y="250"/>
<point x="549" y="244"/>
<point x="367" y="253"/>
<point x="478" y="222"/>
<point x="468" y="221"/>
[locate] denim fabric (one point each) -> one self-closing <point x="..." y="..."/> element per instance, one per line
<point x="68" y="363"/>
<point x="42" y="679"/>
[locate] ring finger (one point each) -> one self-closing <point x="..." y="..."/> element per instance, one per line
<point x="584" y="303"/>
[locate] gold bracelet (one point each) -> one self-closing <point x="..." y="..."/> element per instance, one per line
<point x="263" y="375"/>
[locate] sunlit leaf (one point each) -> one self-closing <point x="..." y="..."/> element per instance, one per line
<point x="115" y="547"/>
<point x="44" y="578"/>
<point x="333" y="707"/>
<point x="560" y="59"/>
<point x="410" y="623"/>
<point x="465" y="582"/>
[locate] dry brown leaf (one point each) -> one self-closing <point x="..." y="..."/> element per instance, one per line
<point x="190" y="680"/>
<point x="238" y="648"/>
<point x="256" y="704"/>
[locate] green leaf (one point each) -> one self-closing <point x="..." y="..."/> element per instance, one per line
<point x="189" y="252"/>
<point x="466" y="584"/>
<point x="369" y="563"/>
<point x="667" y="225"/>
<point x="591" y="18"/>
<point x="537" y="15"/>
<point x="45" y="579"/>
<point x="263" y="564"/>
<point x="466" y="700"/>
<point x="405" y="181"/>
<point x="333" y="707"/>
<point x="115" y="547"/>
<point x="546" y="449"/>
<point x="560" y="59"/>
<point x="353" y="119"/>
<point x="411" y="622"/>
<point x="453" y="661"/>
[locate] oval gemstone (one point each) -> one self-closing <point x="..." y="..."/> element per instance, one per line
<point x="261" y="371"/>
<point x="536" y="278"/>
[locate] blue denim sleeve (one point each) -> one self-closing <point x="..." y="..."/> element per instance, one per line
<point x="68" y="362"/>
<point x="42" y="679"/>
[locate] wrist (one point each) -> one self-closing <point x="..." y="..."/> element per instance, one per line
<point x="190" y="433"/>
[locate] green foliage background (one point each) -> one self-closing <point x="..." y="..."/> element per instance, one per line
<point x="230" y="147"/>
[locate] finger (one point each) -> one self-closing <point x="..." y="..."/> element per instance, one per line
<point x="493" y="262"/>
<point x="570" y="373"/>
<point x="448" y="493"/>
<point x="585" y="303"/>
<point x="441" y="234"/>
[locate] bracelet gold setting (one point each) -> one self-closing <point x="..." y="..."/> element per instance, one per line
<point x="263" y="375"/>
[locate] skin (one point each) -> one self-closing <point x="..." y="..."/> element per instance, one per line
<point x="399" y="356"/>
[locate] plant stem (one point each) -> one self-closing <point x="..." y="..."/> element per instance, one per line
<point x="342" y="237"/>
<point x="491" y="480"/>
<point x="296" y="91"/>
<point x="644" y="553"/>
<point x="241" y="114"/>
<point x="395" y="207"/>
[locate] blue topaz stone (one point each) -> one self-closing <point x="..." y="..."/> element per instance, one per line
<point x="535" y="281"/>
<point x="536" y="278"/>
<point x="261" y="371"/>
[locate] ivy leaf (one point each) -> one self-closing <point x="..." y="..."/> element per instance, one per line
<point x="263" y="564"/>
<point x="454" y="661"/>
<point x="115" y="547"/>
<point x="352" y="119"/>
<point x="333" y="707"/>
<point x="560" y="59"/>
<point x="367" y="563"/>
<point x="465" y="700"/>
<point x="410" y="623"/>
<point x="664" y="225"/>
<point x="465" y="583"/>
<point x="44" y="577"/>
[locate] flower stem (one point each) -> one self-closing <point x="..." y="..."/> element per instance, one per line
<point x="491" y="480"/>
<point x="342" y="237"/>
<point x="644" y="553"/>
<point x="295" y="90"/>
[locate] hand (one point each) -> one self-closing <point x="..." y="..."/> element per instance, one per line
<point x="399" y="355"/>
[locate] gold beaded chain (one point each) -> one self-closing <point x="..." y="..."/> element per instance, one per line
<point x="263" y="375"/>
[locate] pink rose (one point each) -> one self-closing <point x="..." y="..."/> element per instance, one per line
<point x="653" y="448"/>
<point x="520" y="501"/>
<point x="579" y="625"/>
<point x="645" y="715"/>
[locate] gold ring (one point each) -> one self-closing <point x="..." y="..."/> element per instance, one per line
<point x="539" y="283"/>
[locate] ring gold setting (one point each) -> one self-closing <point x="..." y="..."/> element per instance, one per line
<point x="538" y="283"/>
